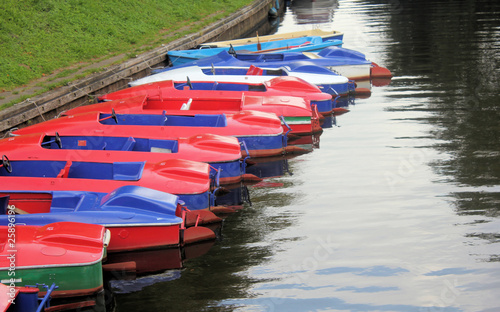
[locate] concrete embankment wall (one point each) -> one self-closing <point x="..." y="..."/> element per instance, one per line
<point x="116" y="77"/>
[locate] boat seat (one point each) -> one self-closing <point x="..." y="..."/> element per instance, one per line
<point x="311" y="55"/>
<point x="129" y="145"/>
<point x="187" y="106"/>
<point x="65" y="171"/>
<point x="128" y="171"/>
<point x="254" y="71"/>
<point x="160" y="150"/>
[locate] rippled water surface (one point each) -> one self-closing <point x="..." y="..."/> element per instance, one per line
<point x="398" y="209"/>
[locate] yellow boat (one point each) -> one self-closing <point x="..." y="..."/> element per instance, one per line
<point x="325" y="35"/>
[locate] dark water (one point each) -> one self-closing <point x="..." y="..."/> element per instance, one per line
<point x="399" y="207"/>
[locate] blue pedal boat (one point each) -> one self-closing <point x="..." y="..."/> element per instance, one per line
<point x="300" y="44"/>
<point x="349" y="63"/>
<point x="137" y="217"/>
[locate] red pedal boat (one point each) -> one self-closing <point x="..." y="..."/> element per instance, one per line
<point x="296" y="113"/>
<point x="221" y="152"/>
<point x="260" y="133"/>
<point x="280" y="86"/>
<point x="189" y="180"/>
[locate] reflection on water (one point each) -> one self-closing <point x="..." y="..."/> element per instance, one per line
<point x="313" y="12"/>
<point x="269" y="167"/>
<point x="459" y="56"/>
<point x="217" y="275"/>
<point x="398" y="208"/>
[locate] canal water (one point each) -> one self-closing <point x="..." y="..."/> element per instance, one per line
<point x="397" y="208"/>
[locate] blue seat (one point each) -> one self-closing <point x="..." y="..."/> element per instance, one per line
<point x="129" y="145"/>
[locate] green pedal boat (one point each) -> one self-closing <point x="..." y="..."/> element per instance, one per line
<point x="69" y="254"/>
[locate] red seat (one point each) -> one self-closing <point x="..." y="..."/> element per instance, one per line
<point x="254" y="70"/>
<point x="65" y="171"/>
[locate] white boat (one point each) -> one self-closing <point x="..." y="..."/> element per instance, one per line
<point x="325" y="79"/>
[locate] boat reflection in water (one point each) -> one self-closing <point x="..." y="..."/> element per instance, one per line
<point x="380" y="82"/>
<point x="233" y="199"/>
<point x="129" y="272"/>
<point x="305" y="142"/>
<point x="363" y="89"/>
<point x="313" y="12"/>
<point x="330" y="121"/>
<point x="341" y="105"/>
<point x="271" y="167"/>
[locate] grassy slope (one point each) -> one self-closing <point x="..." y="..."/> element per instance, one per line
<point x="38" y="37"/>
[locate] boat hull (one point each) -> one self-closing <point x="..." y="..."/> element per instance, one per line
<point x="67" y="278"/>
<point x="355" y="72"/>
<point x="230" y="172"/>
<point x="127" y="238"/>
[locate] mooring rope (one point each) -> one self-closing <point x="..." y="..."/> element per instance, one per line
<point x="38" y="108"/>
<point x="142" y="58"/>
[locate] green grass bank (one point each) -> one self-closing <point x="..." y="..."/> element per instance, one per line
<point x="40" y="37"/>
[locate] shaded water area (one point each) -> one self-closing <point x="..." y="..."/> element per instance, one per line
<point x="398" y="208"/>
